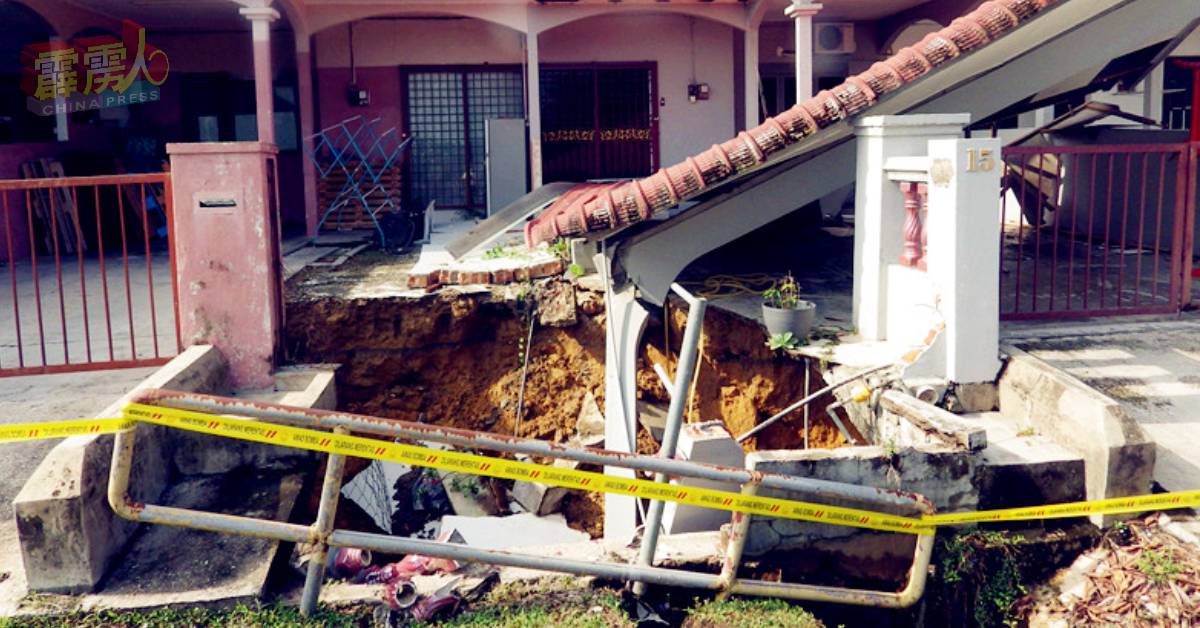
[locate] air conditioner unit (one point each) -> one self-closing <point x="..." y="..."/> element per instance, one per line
<point x="833" y="38"/>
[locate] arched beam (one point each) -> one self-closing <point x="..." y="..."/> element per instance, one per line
<point x="941" y="12"/>
<point x="64" y="23"/>
<point x="324" y="16"/>
<point x="545" y="18"/>
<point x="889" y="44"/>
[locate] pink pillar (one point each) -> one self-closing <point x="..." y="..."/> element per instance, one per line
<point x="260" y="30"/>
<point x="227" y="253"/>
<point x="304" y="93"/>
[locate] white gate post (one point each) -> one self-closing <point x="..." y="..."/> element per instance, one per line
<point x="878" y="212"/>
<point x="964" y="252"/>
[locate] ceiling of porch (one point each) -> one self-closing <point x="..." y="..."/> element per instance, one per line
<point x="223" y="14"/>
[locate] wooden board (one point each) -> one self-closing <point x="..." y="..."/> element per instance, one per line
<point x="353" y="215"/>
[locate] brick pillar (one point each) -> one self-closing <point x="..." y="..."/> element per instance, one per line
<point x="227" y="253"/>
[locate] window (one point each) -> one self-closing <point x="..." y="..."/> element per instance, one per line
<point x="221" y="108"/>
<point x="1177" y="94"/>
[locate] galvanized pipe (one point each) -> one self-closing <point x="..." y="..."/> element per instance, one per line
<point x="465" y="553"/>
<point x="125" y="507"/>
<point x="913" y="589"/>
<point x="679" y="396"/>
<point x="331" y="488"/>
<point x="739" y="529"/>
<point x="808" y="488"/>
<point x="808" y="399"/>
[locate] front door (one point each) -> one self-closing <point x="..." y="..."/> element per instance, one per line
<point x="599" y="121"/>
<point x="445" y="111"/>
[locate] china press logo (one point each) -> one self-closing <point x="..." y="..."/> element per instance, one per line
<point x="93" y="72"/>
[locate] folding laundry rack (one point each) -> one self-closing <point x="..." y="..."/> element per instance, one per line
<point x="355" y="153"/>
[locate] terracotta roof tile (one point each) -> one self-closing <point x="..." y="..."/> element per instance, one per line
<point x="592" y="207"/>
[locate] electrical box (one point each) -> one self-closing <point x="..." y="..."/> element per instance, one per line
<point x="698" y="91"/>
<point x="359" y="96"/>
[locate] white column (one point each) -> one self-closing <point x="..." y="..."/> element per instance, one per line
<point x="879" y="205"/>
<point x="623" y="336"/>
<point x="750" y="74"/>
<point x="802" y="12"/>
<point x="534" y="92"/>
<point x="261" y="18"/>
<point x="963" y="225"/>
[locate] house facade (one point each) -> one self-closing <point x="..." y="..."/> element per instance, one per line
<point x="621" y="88"/>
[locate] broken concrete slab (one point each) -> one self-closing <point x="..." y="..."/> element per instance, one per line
<point x="523" y="530"/>
<point x="946" y="476"/>
<point x="373" y="490"/>
<point x="556" y="304"/>
<point x="653" y="417"/>
<point x="542" y="499"/>
<point x="908" y="420"/>
<point x="589" y="426"/>
<point x="470" y="495"/>
<point x="166" y="566"/>
<point x="708" y="443"/>
<point x="977" y="396"/>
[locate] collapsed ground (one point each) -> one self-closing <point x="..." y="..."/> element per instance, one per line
<point x="455" y="358"/>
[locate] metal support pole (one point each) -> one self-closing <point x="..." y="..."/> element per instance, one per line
<point x="331" y="488"/>
<point x="808" y="399"/>
<point x="739" y="530"/>
<point x="810" y="488"/>
<point x="127" y="508"/>
<point x="679" y="396"/>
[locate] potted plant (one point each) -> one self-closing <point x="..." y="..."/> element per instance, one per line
<point x="785" y="312"/>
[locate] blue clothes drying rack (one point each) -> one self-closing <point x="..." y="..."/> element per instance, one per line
<point x="356" y="150"/>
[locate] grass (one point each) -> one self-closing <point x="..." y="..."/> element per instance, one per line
<point x="559" y="602"/>
<point x="756" y="613"/>
<point x="1158" y="566"/>
<point x="274" y="616"/>
<point x="984" y="565"/>
<point x="563" y="602"/>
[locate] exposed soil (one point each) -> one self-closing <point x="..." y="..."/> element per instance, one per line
<point x="454" y="358"/>
<point x="741" y="382"/>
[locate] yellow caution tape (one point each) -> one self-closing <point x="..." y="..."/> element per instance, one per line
<point x="1114" y="506"/>
<point x="316" y="440"/>
<point x="61" y="429"/>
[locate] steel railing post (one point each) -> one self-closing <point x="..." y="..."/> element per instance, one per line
<point x="335" y="466"/>
<point x="679" y="396"/>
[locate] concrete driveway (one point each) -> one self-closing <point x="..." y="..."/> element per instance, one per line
<point x="1151" y="368"/>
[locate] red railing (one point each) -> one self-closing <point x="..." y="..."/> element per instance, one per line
<point x="1096" y="230"/>
<point x="91" y="273"/>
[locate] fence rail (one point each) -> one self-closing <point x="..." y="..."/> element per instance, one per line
<point x="1096" y="230"/>
<point x="91" y="274"/>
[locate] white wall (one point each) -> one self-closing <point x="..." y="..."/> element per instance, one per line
<point x="685" y="128"/>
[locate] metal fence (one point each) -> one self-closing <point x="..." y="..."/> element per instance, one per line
<point x="91" y="274"/>
<point x="323" y="534"/>
<point x="1096" y="230"/>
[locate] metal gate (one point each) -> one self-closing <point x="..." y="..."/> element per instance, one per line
<point x="445" y="110"/>
<point x="599" y="121"/>
<point x="91" y="273"/>
<point x="1096" y="230"/>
